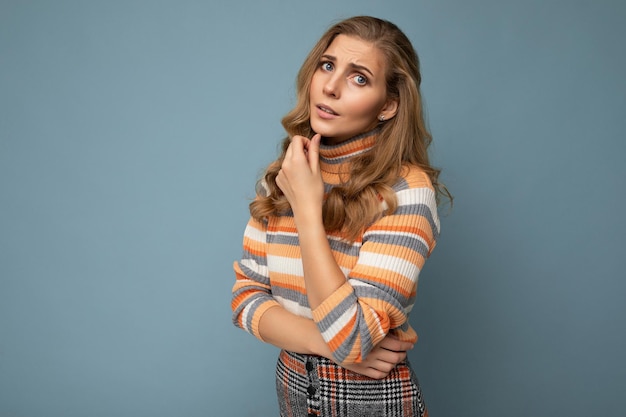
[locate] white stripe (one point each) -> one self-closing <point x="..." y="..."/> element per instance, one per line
<point x="380" y="328"/>
<point x="420" y="196"/>
<point x="390" y="263"/>
<point x="294" y="307"/>
<point x="339" y="324"/>
<point x="244" y="317"/>
<point x="259" y="269"/>
<point x="292" y="266"/>
<point x="417" y="195"/>
<point x="282" y="233"/>
<point x="255" y="234"/>
<point x="357" y="283"/>
<point x="284" y="265"/>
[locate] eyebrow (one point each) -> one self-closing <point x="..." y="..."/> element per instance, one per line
<point x="352" y="65"/>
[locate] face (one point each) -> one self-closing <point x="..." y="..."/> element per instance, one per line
<point x="348" y="90"/>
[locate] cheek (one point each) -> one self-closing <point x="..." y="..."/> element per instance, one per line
<point x="366" y="108"/>
<point x="315" y="80"/>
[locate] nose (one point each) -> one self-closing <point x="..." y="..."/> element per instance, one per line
<point x="331" y="87"/>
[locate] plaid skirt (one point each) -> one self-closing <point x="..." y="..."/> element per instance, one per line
<point x="312" y="386"/>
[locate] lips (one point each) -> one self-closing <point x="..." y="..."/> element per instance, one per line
<point x="326" y="109"/>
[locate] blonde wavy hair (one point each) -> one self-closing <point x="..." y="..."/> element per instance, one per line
<point x="402" y="141"/>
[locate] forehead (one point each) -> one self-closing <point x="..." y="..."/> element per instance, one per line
<point x="355" y="50"/>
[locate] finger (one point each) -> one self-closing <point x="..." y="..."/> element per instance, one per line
<point x="298" y="144"/>
<point x="396" y="345"/>
<point x="314" y="152"/>
<point x="384" y="367"/>
<point x="391" y="357"/>
<point x="367" y="371"/>
<point x="295" y="153"/>
<point x="385" y="355"/>
<point x="279" y="179"/>
<point x="289" y="151"/>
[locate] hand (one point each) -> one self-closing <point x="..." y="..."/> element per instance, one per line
<point x="300" y="178"/>
<point x="382" y="359"/>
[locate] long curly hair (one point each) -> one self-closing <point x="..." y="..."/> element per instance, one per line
<point x="402" y="141"/>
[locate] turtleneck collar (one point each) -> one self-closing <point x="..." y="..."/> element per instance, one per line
<point x="335" y="158"/>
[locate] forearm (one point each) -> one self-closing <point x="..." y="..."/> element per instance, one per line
<point x="322" y="275"/>
<point x="300" y="180"/>
<point x="288" y="331"/>
<point x="299" y="334"/>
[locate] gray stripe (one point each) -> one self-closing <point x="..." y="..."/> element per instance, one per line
<point x="350" y="249"/>
<point x="360" y="328"/>
<point x="254" y="302"/>
<point x="420" y="209"/>
<point x="400" y="185"/>
<point x="259" y="260"/>
<point x="407" y="241"/>
<point x="291" y="295"/>
<point x="379" y="291"/>
<point x="336" y="313"/>
<point x="254" y="275"/>
<point x="254" y="305"/>
<point x="282" y="239"/>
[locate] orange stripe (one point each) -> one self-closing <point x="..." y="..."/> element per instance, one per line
<point x="285" y="250"/>
<point x="289" y="286"/>
<point x="284" y="228"/>
<point x="343" y="334"/>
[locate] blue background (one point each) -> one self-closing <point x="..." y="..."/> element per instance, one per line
<point x="131" y="135"/>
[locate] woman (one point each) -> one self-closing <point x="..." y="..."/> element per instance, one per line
<point x="342" y="224"/>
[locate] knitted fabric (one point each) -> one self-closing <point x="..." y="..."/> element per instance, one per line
<point x="381" y="266"/>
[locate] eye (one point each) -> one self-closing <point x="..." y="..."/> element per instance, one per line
<point x="359" y="79"/>
<point x="327" y="66"/>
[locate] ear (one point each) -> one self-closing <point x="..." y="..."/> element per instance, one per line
<point x="390" y="109"/>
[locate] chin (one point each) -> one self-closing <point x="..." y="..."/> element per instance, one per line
<point x="325" y="132"/>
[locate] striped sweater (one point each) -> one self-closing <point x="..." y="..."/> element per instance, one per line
<point x="381" y="267"/>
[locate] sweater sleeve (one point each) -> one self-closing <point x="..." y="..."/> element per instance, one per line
<point x="251" y="294"/>
<point x="380" y="290"/>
